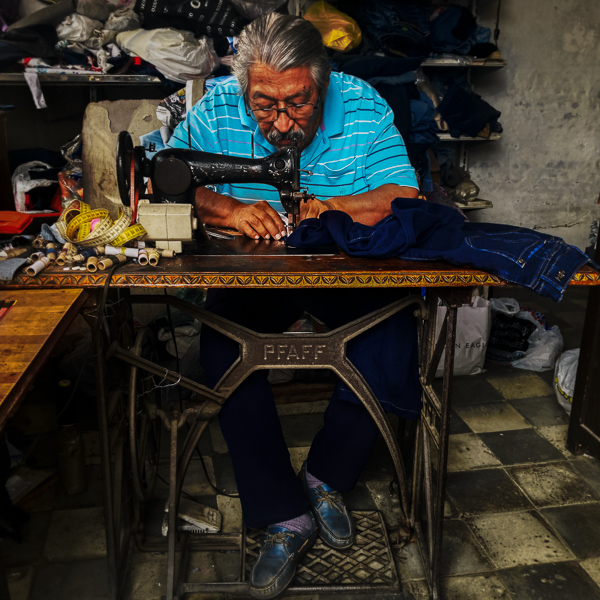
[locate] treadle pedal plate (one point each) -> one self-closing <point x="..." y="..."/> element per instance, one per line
<point x="367" y="566"/>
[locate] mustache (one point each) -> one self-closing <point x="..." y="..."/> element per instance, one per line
<point x="275" y="136"/>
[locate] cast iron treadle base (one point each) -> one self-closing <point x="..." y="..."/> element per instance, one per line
<point x="369" y="562"/>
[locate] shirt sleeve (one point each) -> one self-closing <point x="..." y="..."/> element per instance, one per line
<point x="387" y="160"/>
<point x="195" y="131"/>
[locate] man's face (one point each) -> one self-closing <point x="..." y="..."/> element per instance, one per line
<point x="268" y="88"/>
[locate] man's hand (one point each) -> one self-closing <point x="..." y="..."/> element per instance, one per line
<point x="312" y="208"/>
<point x="258" y="220"/>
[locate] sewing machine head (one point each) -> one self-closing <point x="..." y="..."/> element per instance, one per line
<point x="176" y="173"/>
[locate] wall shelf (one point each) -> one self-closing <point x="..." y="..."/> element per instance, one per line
<point x="79" y="79"/>
<point x="473" y="204"/>
<point x="446" y="137"/>
<point x="461" y="62"/>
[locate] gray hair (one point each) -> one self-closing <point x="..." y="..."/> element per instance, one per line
<point x="281" y="42"/>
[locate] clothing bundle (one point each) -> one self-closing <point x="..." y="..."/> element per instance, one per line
<point x="176" y="40"/>
<point x="397" y="37"/>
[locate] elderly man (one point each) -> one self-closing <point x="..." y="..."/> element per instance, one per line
<point x="353" y="160"/>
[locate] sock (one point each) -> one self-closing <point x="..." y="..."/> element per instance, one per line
<point x="302" y="524"/>
<point x="311" y="480"/>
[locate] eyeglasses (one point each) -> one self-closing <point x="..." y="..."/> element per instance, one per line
<point x="293" y="111"/>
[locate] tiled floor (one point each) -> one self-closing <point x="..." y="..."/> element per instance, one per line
<point x="522" y="513"/>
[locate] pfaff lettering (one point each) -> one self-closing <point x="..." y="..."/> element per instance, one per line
<point x="292" y="352"/>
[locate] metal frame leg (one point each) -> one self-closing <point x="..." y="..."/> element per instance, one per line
<point x="112" y="445"/>
<point x="267" y="351"/>
<point x="434" y="426"/>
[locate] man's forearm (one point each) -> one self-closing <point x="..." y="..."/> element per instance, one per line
<point x="370" y="207"/>
<point x="215" y="209"/>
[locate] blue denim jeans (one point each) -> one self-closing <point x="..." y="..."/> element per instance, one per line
<point x="418" y="230"/>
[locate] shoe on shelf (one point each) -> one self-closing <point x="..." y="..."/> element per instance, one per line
<point x="279" y="556"/>
<point x="336" y="526"/>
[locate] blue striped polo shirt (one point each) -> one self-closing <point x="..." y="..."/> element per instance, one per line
<point x="356" y="148"/>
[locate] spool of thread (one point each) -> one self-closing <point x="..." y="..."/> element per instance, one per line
<point x="112" y="251"/>
<point x="108" y="262"/>
<point x="92" y="264"/>
<point x="38" y="242"/>
<point x="143" y="257"/>
<point x="153" y="257"/>
<point x="167" y="253"/>
<point x="84" y="255"/>
<point x="38" y="266"/>
<point x="34" y="256"/>
<point x="63" y="255"/>
<point x="61" y="259"/>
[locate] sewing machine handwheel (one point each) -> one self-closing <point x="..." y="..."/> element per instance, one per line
<point x="128" y="156"/>
<point x="144" y="425"/>
<point x="124" y="156"/>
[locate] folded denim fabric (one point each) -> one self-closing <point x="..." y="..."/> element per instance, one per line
<point x="465" y="112"/>
<point x="417" y="230"/>
<point x="393" y="26"/>
<point x="456" y="30"/>
<point x="412" y="223"/>
<point x="367" y="67"/>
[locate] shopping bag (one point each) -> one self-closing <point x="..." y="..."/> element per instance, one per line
<point x="472" y="331"/>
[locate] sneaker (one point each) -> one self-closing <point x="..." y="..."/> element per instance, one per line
<point x="336" y="527"/>
<point x="279" y="556"/>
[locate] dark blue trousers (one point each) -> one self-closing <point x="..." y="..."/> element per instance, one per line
<point x="269" y="488"/>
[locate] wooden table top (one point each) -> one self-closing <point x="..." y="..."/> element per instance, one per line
<point x="279" y="271"/>
<point x="28" y="333"/>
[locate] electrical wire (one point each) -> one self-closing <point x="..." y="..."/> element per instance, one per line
<point x="497" y="28"/>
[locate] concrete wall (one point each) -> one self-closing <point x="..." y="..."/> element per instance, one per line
<point x="545" y="172"/>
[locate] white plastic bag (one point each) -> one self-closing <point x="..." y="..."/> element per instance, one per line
<point x="505" y="306"/>
<point x="178" y="55"/>
<point x="184" y="337"/>
<point x="77" y="28"/>
<point x="95" y="9"/>
<point x="124" y="19"/>
<point x="22" y="182"/>
<point x="545" y="346"/>
<point x="473" y="322"/>
<point x="564" y="378"/>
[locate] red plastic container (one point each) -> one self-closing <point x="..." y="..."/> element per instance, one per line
<point x="13" y="222"/>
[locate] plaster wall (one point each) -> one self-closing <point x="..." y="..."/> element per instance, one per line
<point x="545" y="171"/>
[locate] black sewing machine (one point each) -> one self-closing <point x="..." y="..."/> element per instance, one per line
<point x="175" y="174"/>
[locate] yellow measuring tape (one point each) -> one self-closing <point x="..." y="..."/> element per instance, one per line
<point x="75" y="225"/>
